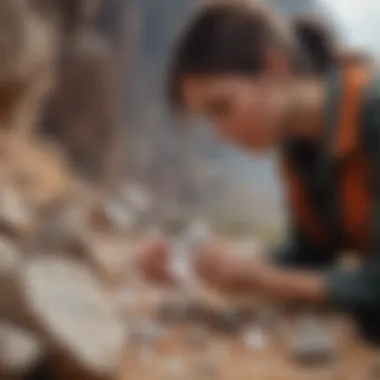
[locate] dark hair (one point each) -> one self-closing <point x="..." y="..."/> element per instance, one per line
<point x="233" y="37"/>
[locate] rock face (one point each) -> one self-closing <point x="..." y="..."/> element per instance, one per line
<point x="87" y="79"/>
<point x="83" y="113"/>
<point x="54" y="301"/>
<point x="28" y="50"/>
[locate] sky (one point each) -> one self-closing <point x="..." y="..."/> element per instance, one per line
<point x="359" y="20"/>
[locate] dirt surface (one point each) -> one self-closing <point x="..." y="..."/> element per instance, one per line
<point x="177" y="353"/>
<point x="227" y="359"/>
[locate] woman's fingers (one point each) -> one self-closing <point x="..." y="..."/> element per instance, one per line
<point x="212" y="264"/>
<point x="222" y="265"/>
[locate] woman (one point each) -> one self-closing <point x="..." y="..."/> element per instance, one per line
<point x="268" y="83"/>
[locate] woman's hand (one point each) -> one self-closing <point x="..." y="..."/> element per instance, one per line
<point x="225" y="265"/>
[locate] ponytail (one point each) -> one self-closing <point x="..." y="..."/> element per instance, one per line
<point x="317" y="45"/>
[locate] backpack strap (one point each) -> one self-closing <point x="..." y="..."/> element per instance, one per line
<point x="356" y="78"/>
<point x="370" y="121"/>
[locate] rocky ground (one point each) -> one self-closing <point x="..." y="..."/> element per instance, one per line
<point x="71" y="296"/>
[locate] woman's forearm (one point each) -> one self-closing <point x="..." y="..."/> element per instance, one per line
<point x="289" y="284"/>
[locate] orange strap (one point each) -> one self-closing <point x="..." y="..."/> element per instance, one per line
<point x="355" y="80"/>
<point x="356" y="200"/>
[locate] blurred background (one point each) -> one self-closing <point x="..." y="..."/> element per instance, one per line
<point x="88" y="145"/>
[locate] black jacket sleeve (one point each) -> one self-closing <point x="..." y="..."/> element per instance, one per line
<point x="359" y="290"/>
<point x="300" y="252"/>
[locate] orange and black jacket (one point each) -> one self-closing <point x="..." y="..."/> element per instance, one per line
<point x="334" y="192"/>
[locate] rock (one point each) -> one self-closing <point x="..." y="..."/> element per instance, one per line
<point x="255" y="339"/>
<point x="16" y="218"/>
<point x="180" y="309"/>
<point x="312" y="343"/>
<point x="135" y="197"/>
<point x="66" y="229"/>
<point x="20" y="351"/>
<point x="145" y="332"/>
<point x="117" y="216"/>
<point x="74" y="314"/>
<point x="198" y="311"/>
<point x="230" y="321"/>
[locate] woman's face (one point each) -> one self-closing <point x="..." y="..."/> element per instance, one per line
<point x="249" y="112"/>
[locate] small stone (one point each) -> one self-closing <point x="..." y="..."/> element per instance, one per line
<point x="146" y="332"/>
<point x="198" y="311"/>
<point x="118" y="216"/>
<point x="255" y="339"/>
<point x="313" y="344"/>
<point x="136" y="197"/>
<point x="228" y="322"/>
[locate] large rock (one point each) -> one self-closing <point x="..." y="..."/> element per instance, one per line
<point x="74" y="315"/>
<point x="88" y="131"/>
<point x="311" y="342"/>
